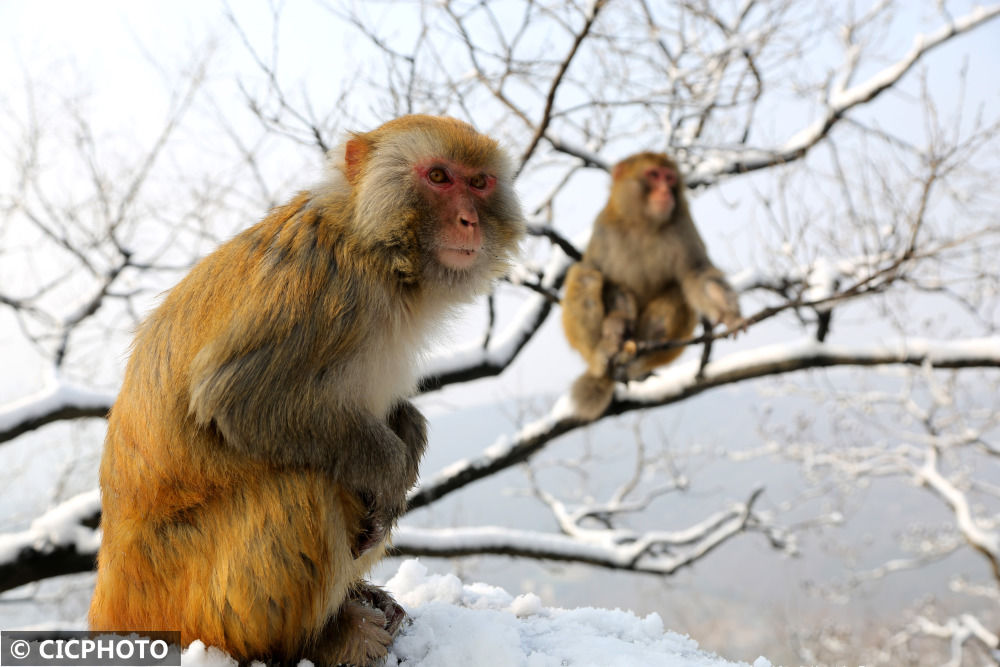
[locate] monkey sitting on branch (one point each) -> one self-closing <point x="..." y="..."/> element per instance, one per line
<point x="644" y="279"/>
<point x="262" y="445"/>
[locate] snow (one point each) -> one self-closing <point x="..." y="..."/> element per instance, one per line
<point x="59" y="527"/>
<point x="54" y="396"/>
<point x="935" y="352"/>
<point x="454" y="623"/>
<point x="921" y="44"/>
<point x="821" y="285"/>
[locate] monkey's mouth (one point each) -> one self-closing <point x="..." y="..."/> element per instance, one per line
<point x="661" y="203"/>
<point x="661" y="198"/>
<point x="457" y="257"/>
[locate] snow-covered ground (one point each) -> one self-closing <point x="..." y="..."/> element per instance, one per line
<point x="454" y="623"/>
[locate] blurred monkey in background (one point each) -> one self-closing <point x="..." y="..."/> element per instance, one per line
<point x="645" y="276"/>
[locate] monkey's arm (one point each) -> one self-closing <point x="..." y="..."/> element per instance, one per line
<point x="269" y="401"/>
<point x="708" y="292"/>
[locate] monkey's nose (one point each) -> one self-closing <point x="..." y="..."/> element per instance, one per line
<point x="468" y="216"/>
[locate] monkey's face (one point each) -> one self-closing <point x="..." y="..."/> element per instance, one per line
<point x="439" y="196"/>
<point x="657" y="181"/>
<point x="658" y="184"/>
<point x="469" y="223"/>
<point x="455" y="194"/>
<point x="646" y="190"/>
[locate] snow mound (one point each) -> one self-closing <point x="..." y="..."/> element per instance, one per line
<point x="477" y="624"/>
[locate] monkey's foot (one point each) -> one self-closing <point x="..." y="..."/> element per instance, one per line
<point x="363" y="639"/>
<point x="618" y="367"/>
<point x="365" y="626"/>
<point x="378" y="598"/>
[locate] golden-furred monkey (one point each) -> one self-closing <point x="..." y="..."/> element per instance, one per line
<point x="262" y="444"/>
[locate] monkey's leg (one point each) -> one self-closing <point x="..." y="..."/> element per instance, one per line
<point x="665" y="318"/>
<point x="598" y="318"/>
<point x="361" y="629"/>
<point x="259" y="570"/>
<point x="269" y="564"/>
<point x="618" y="327"/>
<point x="617" y="346"/>
<point x="583" y="309"/>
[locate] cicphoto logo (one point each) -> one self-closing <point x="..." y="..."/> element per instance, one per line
<point x="95" y="649"/>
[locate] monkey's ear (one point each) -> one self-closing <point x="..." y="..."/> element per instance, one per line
<point x="355" y="154"/>
<point x="616" y="171"/>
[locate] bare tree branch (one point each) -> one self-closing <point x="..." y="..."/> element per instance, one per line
<point x="682" y="381"/>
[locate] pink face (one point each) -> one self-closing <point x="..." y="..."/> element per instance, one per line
<point x="660" y="181"/>
<point x="456" y="192"/>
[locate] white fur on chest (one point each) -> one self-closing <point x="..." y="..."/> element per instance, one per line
<point x="386" y="367"/>
<point x="392" y="372"/>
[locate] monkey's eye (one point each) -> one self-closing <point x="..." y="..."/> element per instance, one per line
<point x="478" y="182"/>
<point x="653" y="175"/>
<point x="438" y="176"/>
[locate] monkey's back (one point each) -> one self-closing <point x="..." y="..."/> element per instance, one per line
<point x="198" y="536"/>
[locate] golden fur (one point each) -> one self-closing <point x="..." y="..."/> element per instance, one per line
<point x="263" y="419"/>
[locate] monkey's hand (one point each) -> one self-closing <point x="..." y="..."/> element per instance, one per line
<point x="734" y="322"/>
<point x="411" y="428"/>
<point x="724" y="306"/>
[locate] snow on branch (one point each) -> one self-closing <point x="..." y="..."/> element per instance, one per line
<point x="58" y="400"/>
<point x="839" y="101"/>
<point x="64" y="540"/>
<point x="654" y="552"/>
<point x="984" y="541"/>
<point x="684" y="380"/>
<point x="959" y="631"/>
<point x="61" y="400"/>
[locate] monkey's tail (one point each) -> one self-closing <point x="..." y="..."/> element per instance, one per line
<point x="592" y="395"/>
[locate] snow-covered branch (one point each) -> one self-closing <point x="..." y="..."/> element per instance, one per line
<point x="957" y="632"/>
<point x="58" y="400"/>
<point x="64" y="540"/>
<point x="683" y="380"/>
<point x="655" y="552"/>
<point x="477" y="361"/>
<point x="985" y="541"/>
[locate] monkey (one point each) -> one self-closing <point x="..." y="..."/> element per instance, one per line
<point x="263" y="442"/>
<point x="645" y="277"/>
